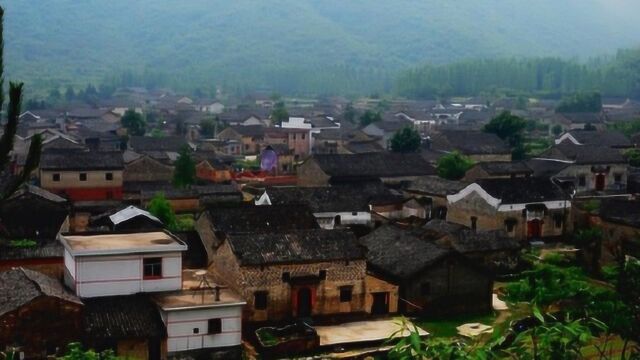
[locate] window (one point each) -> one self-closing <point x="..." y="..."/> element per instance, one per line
<point x="152" y="267"/>
<point x="260" y="300"/>
<point x="294" y="136"/>
<point x="557" y="220"/>
<point x="323" y="274"/>
<point x="346" y="293"/>
<point x="303" y="136"/>
<point x="55" y="177"/>
<point x="582" y="180"/>
<point x="354" y="213"/>
<point x="474" y="223"/>
<point x="510" y="225"/>
<point x="214" y="326"/>
<point x="83" y="176"/>
<point x="425" y="289"/>
<point x="617" y="178"/>
<point x="196" y="330"/>
<point x="108" y="176"/>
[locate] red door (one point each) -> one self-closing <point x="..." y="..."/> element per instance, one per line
<point x="600" y="182"/>
<point x="534" y="229"/>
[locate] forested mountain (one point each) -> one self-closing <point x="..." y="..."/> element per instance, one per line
<point x="617" y="76"/>
<point x="295" y="45"/>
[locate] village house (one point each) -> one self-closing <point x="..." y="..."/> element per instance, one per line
<point x="298" y="274"/>
<point x="218" y="221"/>
<point x="619" y="219"/>
<point x="610" y="138"/>
<point x="199" y="319"/>
<point x="30" y="220"/>
<point x="335" y="206"/>
<point x="251" y="138"/>
<point x="107" y="264"/>
<point x="433" y="191"/>
<point x="298" y="140"/>
<point x="83" y="175"/>
<point x="327" y="169"/>
<point x="526" y="208"/>
<point x="129" y="325"/>
<point x="589" y="169"/>
<point x="130" y="218"/>
<point x="211" y="167"/>
<point x="498" y="169"/>
<point x="38" y="316"/>
<point x="165" y="149"/>
<point x="492" y="249"/>
<point x="384" y="130"/>
<point x="144" y="169"/>
<point x="576" y="121"/>
<point x="344" y="140"/>
<point x="479" y="146"/>
<point x="433" y="280"/>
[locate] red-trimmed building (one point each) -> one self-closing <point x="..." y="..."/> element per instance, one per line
<point x="83" y="175"/>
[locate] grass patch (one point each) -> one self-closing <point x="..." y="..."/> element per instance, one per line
<point x="23" y="243"/>
<point x="444" y="328"/>
<point x="185" y="222"/>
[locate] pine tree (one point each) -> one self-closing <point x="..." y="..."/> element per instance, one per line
<point x="13" y="116"/>
<point x="185" y="170"/>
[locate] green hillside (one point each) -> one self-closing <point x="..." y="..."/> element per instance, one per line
<point x="295" y="45"/>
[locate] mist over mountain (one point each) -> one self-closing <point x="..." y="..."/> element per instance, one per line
<point x="295" y="45"/>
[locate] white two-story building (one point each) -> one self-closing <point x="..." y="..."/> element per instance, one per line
<point x="197" y="315"/>
<point x="122" y="264"/>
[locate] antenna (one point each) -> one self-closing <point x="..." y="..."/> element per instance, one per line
<point x="204" y="284"/>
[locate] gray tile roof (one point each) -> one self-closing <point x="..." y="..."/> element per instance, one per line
<point x="20" y="286"/>
<point x="296" y="246"/>
<point x="122" y="317"/>
<point x="381" y="164"/>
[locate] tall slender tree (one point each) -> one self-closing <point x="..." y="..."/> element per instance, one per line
<point x="12" y="183"/>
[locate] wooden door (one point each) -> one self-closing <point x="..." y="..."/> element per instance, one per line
<point x="600" y="180"/>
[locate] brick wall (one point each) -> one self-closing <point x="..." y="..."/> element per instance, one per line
<point x="246" y="280"/>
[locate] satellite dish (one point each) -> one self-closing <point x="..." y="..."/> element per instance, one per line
<point x="268" y="159"/>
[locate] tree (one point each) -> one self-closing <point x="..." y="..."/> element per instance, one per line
<point x="11" y="127"/>
<point x="349" y="113"/>
<point x="185" y="170"/>
<point x="134" y="123"/>
<point x="633" y="156"/>
<point x="160" y="207"/>
<point x="581" y="102"/>
<point x="279" y="113"/>
<point x="207" y="127"/>
<point x="76" y="352"/>
<point x="453" y="166"/>
<point x="556" y="129"/>
<point x="406" y="140"/>
<point x="69" y="94"/>
<point x="370" y="117"/>
<point x="509" y="128"/>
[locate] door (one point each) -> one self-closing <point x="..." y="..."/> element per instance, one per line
<point x="304" y="302"/>
<point x="600" y="182"/>
<point x="534" y="229"/>
<point x="380" y="304"/>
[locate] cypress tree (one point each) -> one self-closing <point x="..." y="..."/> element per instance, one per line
<point x="11" y="127"/>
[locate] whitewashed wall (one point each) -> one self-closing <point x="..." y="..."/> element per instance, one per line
<point x="326" y="220"/>
<point x="122" y="275"/>
<point x="181" y="324"/>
